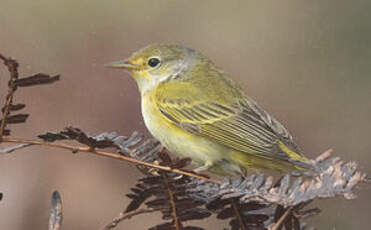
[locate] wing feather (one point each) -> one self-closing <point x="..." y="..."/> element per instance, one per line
<point x="238" y="122"/>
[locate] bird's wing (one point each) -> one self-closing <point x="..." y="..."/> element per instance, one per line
<point x="233" y="120"/>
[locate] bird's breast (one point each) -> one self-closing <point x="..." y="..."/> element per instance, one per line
<point x="175" y="139"/>
<point x="158" y="126"/>
<point x="151" y="116"/>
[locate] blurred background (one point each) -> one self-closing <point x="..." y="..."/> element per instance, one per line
<point x="306" y="62"/>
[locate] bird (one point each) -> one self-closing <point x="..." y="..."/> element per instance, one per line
<point x="198" y="111"/>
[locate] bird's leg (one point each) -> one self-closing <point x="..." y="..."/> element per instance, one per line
<point x="206" y="166"/>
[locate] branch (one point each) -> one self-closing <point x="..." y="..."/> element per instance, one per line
<point x="278" y="224"/>
<point x="174" y="213"/>
<point x="13" y="84"/>
<point x="14" y="148"/>
<point x="124" y="216"/>
<point x="237" y="213"/>
<point x="167" y="193"/>
<point x="13" y="70"/>
<point x="76" y="149"/>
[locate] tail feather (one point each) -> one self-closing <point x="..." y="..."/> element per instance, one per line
<point x="300" y="162"/>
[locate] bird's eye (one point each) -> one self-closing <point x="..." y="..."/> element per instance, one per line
<point x="153" y="62"/>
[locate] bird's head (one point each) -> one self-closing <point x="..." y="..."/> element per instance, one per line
<point x="157" y="63"/>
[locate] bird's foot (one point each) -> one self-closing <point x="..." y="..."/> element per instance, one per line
<point x="204" y="167"/>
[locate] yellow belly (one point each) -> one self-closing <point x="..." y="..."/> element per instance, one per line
<point x="177" y="140"/>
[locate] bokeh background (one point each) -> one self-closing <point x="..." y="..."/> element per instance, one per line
<point x="306" y="62"/>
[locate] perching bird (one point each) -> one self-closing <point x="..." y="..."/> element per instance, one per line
<point x="195" y="110"/>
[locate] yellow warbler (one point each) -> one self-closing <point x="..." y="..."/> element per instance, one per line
<point x="195" y="110"/>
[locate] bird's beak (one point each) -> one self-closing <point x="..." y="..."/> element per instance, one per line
<point x="123" y="64"/>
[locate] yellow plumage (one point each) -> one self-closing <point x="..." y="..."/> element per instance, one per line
<point x="197" y="111"/>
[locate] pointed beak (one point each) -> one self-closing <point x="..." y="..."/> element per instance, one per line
<point x="123" y="64"/>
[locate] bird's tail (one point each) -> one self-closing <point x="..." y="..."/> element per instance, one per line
<point x="287" y="161"/>
<point x="299" y="161"/>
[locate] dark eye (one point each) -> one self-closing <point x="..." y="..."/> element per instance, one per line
<point x="153" y="62"/>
